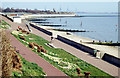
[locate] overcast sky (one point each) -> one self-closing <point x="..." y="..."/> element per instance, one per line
<point x="59" y="0"/>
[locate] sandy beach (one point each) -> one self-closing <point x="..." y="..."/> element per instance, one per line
<point x="101" y="64"/>
<point x="60" y="38"/>
<point x="111" y="50"/>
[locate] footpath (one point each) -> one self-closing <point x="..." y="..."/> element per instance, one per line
<point x="101" y="64"/>
<point x="30" y="56"/>
<point x="35" y="58"/>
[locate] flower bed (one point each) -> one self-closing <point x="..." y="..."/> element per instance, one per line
<point x="29" y="69"/>
<point x="61" y="59"/>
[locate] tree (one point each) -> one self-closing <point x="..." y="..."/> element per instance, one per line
<point x="7" y="10"/>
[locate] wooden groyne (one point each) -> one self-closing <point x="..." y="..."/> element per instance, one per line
<point x="37" y="20"/>
<point x="53" y="25"/>
<point x="69" y="30"/>
<point x="41" y="22"/>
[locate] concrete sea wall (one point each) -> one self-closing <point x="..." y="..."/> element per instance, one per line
<point x="41" y="29"/>
<point x="76" y="45"/>
<point x="7" y="17"/>
<point x="109" y="58"/>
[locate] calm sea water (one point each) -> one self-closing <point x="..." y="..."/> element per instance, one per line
<point x="103" y="28"/>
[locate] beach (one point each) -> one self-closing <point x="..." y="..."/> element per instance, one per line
<point x="61" y="39"/>
<point x="112" y="50"/>
<point x="103" y="65"/>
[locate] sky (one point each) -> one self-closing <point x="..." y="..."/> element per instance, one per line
<point x="71" y="5"/>
<point x="59" y="1"/>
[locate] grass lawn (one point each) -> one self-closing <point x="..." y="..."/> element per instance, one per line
<point x="61" y="59"/>
<point x="29" y="69"/>
<point x="4" y="25"/>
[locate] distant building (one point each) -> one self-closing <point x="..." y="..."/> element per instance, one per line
<point x="17" y="19"/>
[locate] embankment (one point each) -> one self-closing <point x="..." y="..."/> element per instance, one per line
<point x="107" y="57"/>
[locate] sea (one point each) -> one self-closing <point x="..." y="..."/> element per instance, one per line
<point x="100" y="27"/>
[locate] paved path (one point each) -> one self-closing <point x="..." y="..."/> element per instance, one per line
<point x="111" y="50"/>
<point x="103" y="65"/>
<point x="31" y="56"/>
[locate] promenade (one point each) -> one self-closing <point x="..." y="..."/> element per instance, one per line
<point x="48" y="15"/>
<point x="26" y="53"/>
<point x="111" y="50"/>
<point x="103" y="65"/>
<point x="35" y="58"/>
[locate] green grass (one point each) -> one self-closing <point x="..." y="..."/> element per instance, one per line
<point x="29" y="69"/>
<point x="65" y="56"/>
<point x="5" y="23"/>
<point x="4" y="27"/>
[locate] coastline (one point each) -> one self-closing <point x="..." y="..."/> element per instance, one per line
<point x="111" y="50"/>
<point x="82" y="55"/>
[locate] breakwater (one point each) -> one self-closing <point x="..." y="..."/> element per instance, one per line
<point x="53" y="25"/>
<point x="42" y="22"/>
<point x="69" y="30"/>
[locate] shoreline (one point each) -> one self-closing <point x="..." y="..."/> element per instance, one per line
<point x="96" y="62"/>
<point x="84" y="41"/>
<point x="95" y="34"/>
